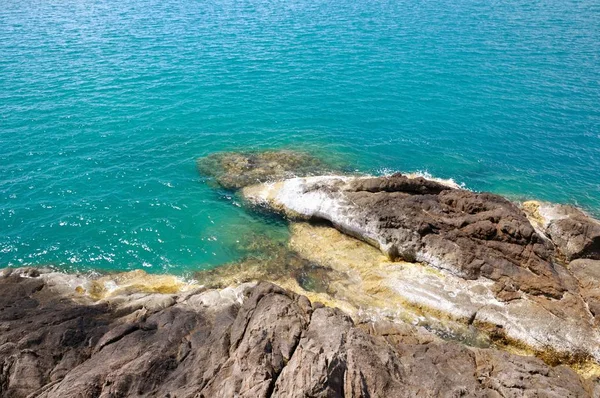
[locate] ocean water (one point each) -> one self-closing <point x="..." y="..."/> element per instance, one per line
<point x="105" y="105"/>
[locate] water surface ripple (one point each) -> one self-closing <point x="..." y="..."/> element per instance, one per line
<point x="105" y="104"/>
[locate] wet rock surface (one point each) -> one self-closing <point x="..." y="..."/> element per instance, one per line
<point x="253" y="340"/>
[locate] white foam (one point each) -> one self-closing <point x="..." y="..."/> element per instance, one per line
<point x="449" y="182"/>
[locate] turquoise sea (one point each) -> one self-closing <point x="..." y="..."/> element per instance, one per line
<point x="106" y="104"/>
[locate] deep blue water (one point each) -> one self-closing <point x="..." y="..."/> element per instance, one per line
<point x="105" y="105"/>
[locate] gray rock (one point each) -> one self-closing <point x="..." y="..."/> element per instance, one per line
<point x="587" y="273"/>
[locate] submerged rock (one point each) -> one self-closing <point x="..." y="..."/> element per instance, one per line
<point x="247" y="341"/>
<point x="233" y="170"/>
<point x="273" y="261"/>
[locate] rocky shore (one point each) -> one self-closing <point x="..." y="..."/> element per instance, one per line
<point x="251" y="340"/>
<point x="389" y="286"/>
<point x="494" y="270"/>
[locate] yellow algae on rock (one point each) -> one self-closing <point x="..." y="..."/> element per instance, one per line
<point x="532" y="211"/>
<point x="137" y="281"/>
<point x="318" y="297"/>
<point x="337" y="270"/>
<point x="381" y="289"/>
<point x="456" y="309"/>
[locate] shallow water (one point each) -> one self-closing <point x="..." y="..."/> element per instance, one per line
<point x="105" y="105"/>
